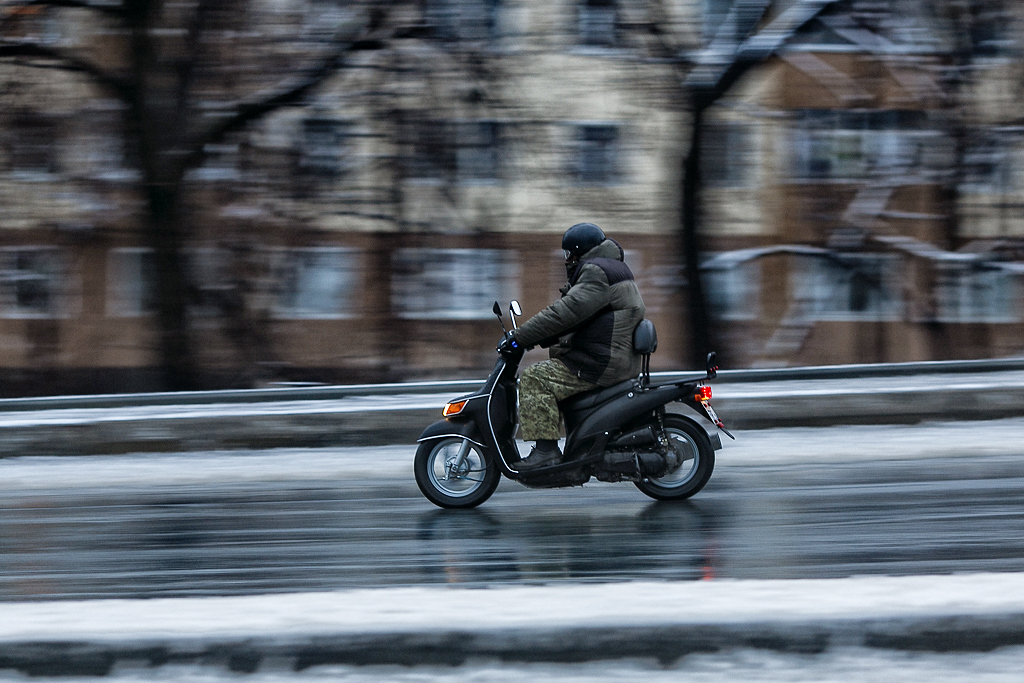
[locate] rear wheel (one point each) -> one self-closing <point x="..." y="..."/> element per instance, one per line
<point x="693" y="447"/>
<point x="455" y="473"/>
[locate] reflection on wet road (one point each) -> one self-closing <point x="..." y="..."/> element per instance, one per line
<point x="923" y="516"/>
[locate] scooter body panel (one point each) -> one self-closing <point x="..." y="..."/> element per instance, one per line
<point x="619" y="411"/>
<point x="489" y="417"/>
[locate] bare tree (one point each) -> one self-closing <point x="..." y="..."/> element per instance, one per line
<point x="747" y="35"/>
<point x="189" y="74"/>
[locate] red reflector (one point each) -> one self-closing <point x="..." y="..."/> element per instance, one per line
<point x="703" y="394"/>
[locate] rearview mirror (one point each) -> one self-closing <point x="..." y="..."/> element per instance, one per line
<point x="515" y="307"/>
<point x="497" y="309"/>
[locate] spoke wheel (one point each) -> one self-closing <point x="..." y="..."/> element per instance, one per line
<point x="692" y="445"/>
<point x="450" y="481"/>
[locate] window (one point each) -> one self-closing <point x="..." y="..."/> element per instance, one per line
<point x="464" y="20"/>
<point x="991" y="28"/>
<point x="467" y="151"/>
<point x="430" y="149"/>
<point x="989" y="165"/>
<point x="101" y="149"/>
<point x="727" y="158"/>
<point x="850" y="145"/>
<point x="220" y="164"/>
<point x="317" y="283"/>
<point x="323" y="147"/>
<point x="478" y="153"/>
<point x="31" y="280"/>
<point x="31" y="146"/>
<point x="131" y="282"/>
<point x="976" y="294"/>
<point x="209" y="275"/>
<point x="452" y="284"/>
<point x="596" y="154"/>
<point x="849" y="286"/>
<point x="597" y="23"/>
<point x="732" y="292"/>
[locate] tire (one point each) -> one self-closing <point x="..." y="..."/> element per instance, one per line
<point x="466" y="489"/>
<point x="698" y="462"/>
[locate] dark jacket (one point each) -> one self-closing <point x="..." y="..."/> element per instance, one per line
<point x="600" y="308"/>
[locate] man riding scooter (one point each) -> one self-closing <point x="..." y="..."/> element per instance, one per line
<point x="590" y="333"/>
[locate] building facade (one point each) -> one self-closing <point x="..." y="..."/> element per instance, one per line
<point x="857" y="206"/>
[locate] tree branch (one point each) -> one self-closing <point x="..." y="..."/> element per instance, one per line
<point x="719" y="67"/>
<point x="286" y="94"/>
<point x="65" y="61"/>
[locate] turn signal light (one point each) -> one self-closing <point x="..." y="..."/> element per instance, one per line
<point x="453" y="408"/>
<point x="703" y="394"/>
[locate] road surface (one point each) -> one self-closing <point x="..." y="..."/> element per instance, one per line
<point x="791" y="503"/>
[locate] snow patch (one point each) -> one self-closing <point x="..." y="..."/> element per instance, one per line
<point x="427" y="608"/>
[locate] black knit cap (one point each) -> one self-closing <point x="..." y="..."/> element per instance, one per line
<point x="581" y="238"/>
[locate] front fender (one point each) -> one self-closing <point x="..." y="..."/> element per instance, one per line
<point x="448" y="428"/>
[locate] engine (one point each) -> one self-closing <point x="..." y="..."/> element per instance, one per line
<point x="636" y="455"/>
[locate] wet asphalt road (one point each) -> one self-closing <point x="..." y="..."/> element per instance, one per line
<point x="795" y="521"/>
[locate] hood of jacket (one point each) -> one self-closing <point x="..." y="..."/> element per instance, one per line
<point x="608" y="249"/>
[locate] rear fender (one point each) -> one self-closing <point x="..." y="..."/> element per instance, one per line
<point x="713" y="437"/>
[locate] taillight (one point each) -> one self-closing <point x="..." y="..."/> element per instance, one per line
<point x="703" y="394"/>
<point x="453" y="408"/>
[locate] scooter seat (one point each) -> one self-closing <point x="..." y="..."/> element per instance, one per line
<point x="595" y="397"/>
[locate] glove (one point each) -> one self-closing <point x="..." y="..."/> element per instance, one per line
<point x="507" y="343"/>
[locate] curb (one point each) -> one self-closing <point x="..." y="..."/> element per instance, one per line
<point x="665" y="644"/>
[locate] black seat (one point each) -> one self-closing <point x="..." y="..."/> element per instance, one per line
<point x="595" y="397"/>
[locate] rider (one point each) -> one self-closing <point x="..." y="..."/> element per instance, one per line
<point x="590" y="334"/>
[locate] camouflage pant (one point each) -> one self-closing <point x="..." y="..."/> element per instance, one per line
<point x="541" y="387"/>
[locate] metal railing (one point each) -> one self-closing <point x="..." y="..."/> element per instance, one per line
<point x="331" y="392"/>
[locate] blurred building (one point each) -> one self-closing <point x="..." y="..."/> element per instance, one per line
<point x="860" y="189"/>
<point x="866" y="190"/>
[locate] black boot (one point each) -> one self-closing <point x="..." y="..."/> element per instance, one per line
<point x="543" y="454"/>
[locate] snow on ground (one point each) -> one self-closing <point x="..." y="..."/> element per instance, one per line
<point x="788" y="446"/>
<point x="498" y="609"/>
<point x="550" y="607"/>
<point x="355" y="404"/>
<point x="384" y="463"/>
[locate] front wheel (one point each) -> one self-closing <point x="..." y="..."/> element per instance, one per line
<point x="693" y="447"/>
<point x="455" y="473"/>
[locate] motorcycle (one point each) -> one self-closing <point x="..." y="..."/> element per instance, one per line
<point x="617" y="433"/>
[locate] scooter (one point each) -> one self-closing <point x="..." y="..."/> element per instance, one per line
<point x="617" y="433"/>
